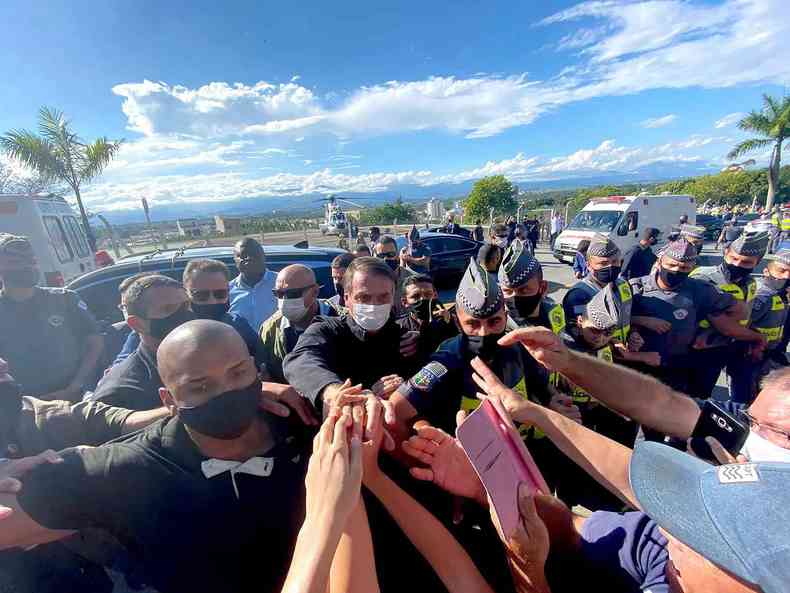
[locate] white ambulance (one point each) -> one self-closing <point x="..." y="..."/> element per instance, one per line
<point x="54" y="230"/>
<point x="622" y="219"/>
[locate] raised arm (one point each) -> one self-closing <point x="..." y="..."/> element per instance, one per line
<point x="18" y="530"/>
<point x="640" y="397"/>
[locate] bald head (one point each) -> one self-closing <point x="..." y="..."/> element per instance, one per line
<point x="771" y="407"/>
<point x="195" y="359"/>
<point x="295" y="276"/>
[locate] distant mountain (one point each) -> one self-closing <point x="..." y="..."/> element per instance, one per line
<point x="307" y="205"/>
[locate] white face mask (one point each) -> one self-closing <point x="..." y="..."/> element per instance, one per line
<point x="292" y="309"/>
<point x="759" y="449"/>
<point x="372" y="317"/>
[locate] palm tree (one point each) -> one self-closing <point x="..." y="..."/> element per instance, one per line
<point x="773" y="124"/>
<point x="58" y="154"/>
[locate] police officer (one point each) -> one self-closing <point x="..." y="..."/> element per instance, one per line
<point x="47" y="335"/>
<point x="694" y="235"/>
<point x="603" y="263"/>
<point x="768" y="316"/>
<point x="524" y="289"/>
<point x="714" y="349"/>
<point x="674" y="232"/>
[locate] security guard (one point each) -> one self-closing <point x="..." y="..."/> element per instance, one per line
<point x="47" y="335"/>
<point x="668" y="306"/>
<point x="603" y="262"/>
<point x="524" y="289"/>
<point x="713" y="351"/>
<point x="445" y="384"/>
<point x="769" y="314"/>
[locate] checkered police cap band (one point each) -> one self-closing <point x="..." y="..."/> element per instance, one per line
<point x="782" y="256"/>
<point x="692" y="232"/>
<point x="680" y="250"/>
<point x="479" y="294"/>
<point x="603" y="311"/>
<point x="15" y="245"/>
<point x="518" y="265"/>
<point x="753" y="244"/>
<point x="602" y="246"/>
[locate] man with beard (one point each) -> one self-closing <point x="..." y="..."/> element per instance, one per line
<point x="713" y="349"/>
<point x="210" y="499"/>
<point x="46" y="334"/>
<point x="444" y="385"/>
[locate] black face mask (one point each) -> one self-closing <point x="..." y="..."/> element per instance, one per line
<point x="735" y="273"/>
<point x="161" y="327"/>
<point x="215" y="311"/>
<point x="523" y="306"/>
<point x="483" y="346"/>
<point x="10" y="400"/>
<point x="26" y="278"/>
<point x="227" y="416"/>
<point x="606" y="275"/>
<point x="776" y="284"/>
<point x="673" y="279"/>
<point x="422" y="310"/>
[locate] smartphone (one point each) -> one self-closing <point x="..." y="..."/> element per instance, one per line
<point x="717" y="423"/>
<point x="500" y="458"/>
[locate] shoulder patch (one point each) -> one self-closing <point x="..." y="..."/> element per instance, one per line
<point x="428" y="376"/>
<point x="737" y="473"/>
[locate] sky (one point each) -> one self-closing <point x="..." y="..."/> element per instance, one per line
<point x="218" y="101"/>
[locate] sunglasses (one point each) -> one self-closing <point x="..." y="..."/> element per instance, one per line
<point x="291" y="293"/>
<point x="203" y="295"/>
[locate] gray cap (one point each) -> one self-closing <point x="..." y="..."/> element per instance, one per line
<point x="604" y="309"/>
<point x="692" y="231"/>
<point x="782" y="256"/>
<point x="15" y="246"/>
<point x="752" y="244"/>
<point x="602" y="246"/>
<point x="518" y="265"/>
<point x="680" y="250"/>
<point x="479" y="294"/>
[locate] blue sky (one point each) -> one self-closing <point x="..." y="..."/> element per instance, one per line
<point x="219" y="101"/>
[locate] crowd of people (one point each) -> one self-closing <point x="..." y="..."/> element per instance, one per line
<point x="243" y="434"/>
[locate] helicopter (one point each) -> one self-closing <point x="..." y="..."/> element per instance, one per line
<point x="335" y="220"/>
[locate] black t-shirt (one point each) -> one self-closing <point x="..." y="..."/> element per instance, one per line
<point x="231" y="533"/>
<point x="637" y="262"/>
<point x="133" y="383"/>
<point x="334" y="349"/>
<point x="43" y="338"/>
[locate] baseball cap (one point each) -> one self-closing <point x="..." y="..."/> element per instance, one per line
<point x="733" y="515"/>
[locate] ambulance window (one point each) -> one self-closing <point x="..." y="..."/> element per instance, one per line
<point x="75" y="234"/>
<point x="58" y="239"/>
<point x="629" y="225"/>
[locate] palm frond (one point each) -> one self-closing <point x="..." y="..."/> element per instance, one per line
<point x="34" y="152"/>
<point x="756" y="121"/>
<point x="749" y="146"/>
<point x="97" y="156"/>
<point x="772" y="106"/>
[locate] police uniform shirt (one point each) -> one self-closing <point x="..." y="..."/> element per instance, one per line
<point x="334" y="349"/>
<point x="575" y="303"/>
<point x="550" y="315"/>
<point x="769" y="313"/>
<point x="133" y="384"/>
<point x="432" y="335"/>
<point x="637" y="262"/>
<point x="744" y="291"/>
<point x="445" y="384"/>
<point x="195" y="524"/>
<point x="684" y="308"/>
<point x="58" y="425"/>
<point x="43" y="338"/>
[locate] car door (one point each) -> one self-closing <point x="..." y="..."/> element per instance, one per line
<point x="456" y="252"/>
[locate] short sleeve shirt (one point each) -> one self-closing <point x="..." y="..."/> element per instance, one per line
<point x="624" y="553"/>
<point x="43" y="339"/>
<point x="254" y="303"/>
<point x="229" y="532"/>
<point x="769" y="313"/>
<point x="684" y="309"/>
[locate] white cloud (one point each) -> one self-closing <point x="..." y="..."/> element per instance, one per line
<point x="728" y="120"/>
<point x="658" y="122"/>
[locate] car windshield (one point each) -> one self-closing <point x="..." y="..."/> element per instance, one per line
<point x="595" y="220"/>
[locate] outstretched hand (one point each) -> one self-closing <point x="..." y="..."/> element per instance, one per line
<point x="13" y="469"/>
<point x="544" y="345"/>
<point x="280" y="399"/>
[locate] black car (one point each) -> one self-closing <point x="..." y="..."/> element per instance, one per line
<point x="450" y="255"/>
<point x="712" y="224"/>
<point x="99" y="289"/>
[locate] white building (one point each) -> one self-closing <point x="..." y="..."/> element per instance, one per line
<point x="434" y="209"/>
<point x="188" y="227"/>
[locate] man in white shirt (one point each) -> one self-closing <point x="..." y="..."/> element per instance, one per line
<point x="556" y="227"/>
<point x="251" y="294"/>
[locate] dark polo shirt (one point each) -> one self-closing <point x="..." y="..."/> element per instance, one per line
<point x="132" y="384"/>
